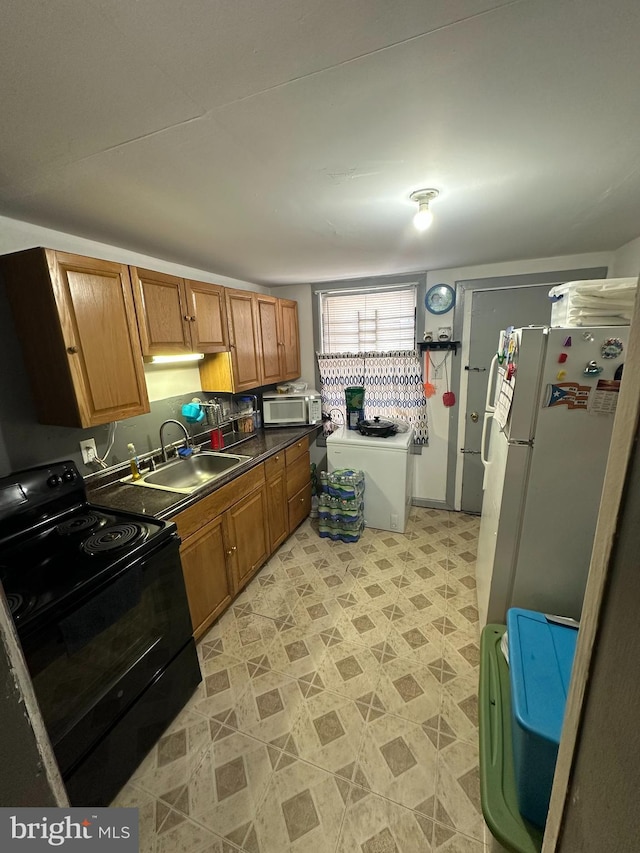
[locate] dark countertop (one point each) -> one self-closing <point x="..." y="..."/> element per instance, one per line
<point x="160" y="504"/>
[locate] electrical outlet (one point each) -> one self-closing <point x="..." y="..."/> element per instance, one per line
<point x="88" y="449"/>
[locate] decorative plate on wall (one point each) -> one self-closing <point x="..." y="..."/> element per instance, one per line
<point x="439" y="299"/>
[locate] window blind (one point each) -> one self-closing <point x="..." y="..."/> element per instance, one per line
<point x="368" y="321"/>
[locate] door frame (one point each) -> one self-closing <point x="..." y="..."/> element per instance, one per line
<point x="461" y="328"/>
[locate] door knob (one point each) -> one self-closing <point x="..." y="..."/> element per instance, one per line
<point x="474" y="417"/>
<point x="72" y="350"/>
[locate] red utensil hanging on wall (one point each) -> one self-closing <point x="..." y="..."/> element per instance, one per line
<point x="448" y="398"/>
<point x="429" y="387"/>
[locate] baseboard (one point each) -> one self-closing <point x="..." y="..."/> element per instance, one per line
<point x="430" y="504"/>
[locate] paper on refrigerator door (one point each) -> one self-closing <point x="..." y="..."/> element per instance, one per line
<point x="504" y="398"/>
<point x="604" y="397"/>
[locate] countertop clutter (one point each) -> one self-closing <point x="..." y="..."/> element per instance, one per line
<point x="165" y="505"/>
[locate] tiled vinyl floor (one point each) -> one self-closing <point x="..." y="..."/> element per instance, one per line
<point x="338" y="709"/>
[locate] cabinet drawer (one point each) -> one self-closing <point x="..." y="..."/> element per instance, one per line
<point x="296" y="449"/>
<point x="299" y="507"/>
<point x="298" y="474"/>
<point x="212" y="505"/>
<point x="274" y="465"/>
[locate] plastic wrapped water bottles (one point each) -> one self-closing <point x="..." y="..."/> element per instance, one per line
<point x="341" y="505"/>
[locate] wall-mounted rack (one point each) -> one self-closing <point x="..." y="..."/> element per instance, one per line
<point x="439" y="345"/>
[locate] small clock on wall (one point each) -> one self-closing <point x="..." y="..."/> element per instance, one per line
<point x="439" y="299"/>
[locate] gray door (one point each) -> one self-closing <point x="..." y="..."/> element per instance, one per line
<point x="491" y="311"/>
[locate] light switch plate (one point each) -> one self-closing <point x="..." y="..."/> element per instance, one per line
<point x="88" y="449"/>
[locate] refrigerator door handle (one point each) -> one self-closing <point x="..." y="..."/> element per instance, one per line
<point x="492" y="375"/>
<point x="483" y="440"/>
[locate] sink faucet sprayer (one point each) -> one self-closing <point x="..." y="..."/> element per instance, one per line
<point x="184" y="430"/>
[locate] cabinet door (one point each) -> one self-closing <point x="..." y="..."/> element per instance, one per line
<point x="269" y="340"/>
<point x="97" y="315"/>
<point x="207" y="309"/>
<point x="277" y="506"/>
<point x="244" y="339"/>
<point x="246" y="528"/>
<point x="299" y="507"/>
<point x="163" y="315"/>
<point x="298" y="474"/>
<point x="205" y="574"/>
<point x="289" y="338"/>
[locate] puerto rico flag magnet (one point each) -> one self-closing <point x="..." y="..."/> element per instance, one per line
<point x="569" y="394"/>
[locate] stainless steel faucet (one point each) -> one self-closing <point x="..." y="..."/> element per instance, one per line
<point x="162" y="445"/>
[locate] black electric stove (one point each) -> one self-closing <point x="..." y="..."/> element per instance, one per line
<point x="99" y="604"/>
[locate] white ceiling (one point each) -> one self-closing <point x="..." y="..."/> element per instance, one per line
<point x="278" y="141"/>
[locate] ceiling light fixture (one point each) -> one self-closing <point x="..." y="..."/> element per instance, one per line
<point x="177" y="359"/>
<point x="423" y="218"/>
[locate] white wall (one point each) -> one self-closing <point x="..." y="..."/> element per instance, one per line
<point x="626" y="260"/>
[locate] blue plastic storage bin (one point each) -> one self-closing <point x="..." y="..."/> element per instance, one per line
<point x="541" y="655"/>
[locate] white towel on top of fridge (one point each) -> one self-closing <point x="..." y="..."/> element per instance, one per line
<point x="599" y="302"/>
<point x="575" y="319"/>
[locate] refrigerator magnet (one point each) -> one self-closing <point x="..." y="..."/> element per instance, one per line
<point x="612" y="348"/>
<point x="567" y="341"/>
<point x="562" y="358"/>
<point x="592" y="369"/>
<point x="561" y="375"/>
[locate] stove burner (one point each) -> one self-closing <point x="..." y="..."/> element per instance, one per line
<point x="78" y="524"/>
<point x="16" y="601"/>
<point x="113" y="537"/>
<point x="19" y="604"/>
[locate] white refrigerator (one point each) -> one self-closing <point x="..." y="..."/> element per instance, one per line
<point x="546" y="437"/>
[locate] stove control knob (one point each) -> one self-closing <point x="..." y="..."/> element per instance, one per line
<point x="68" y="476"/>
<point x="54" y="481"/>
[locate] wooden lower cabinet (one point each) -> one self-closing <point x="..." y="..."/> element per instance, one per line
<point x="228" y="535"/>
<point x="246" y="531"/>
<point x="224" y="542"/>
<point x="208" y="581"/>
<point x="298" y="483"/>
<point x="299" y="507"/>
<point x="277" y="500"/>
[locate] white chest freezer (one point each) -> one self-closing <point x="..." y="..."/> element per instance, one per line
<point x="388" y="470"/>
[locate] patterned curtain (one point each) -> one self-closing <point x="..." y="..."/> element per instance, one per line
<point x="392" y="382"/>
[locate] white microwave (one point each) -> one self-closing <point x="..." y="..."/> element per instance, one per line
<point x="292" y="408"/>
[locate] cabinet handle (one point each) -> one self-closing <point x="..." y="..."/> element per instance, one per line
<point x="72" y="350"/>
<point x="192" y="318"/>
<point x="231" y="550"/>
<point x="277" y="458"/>
<point x="301" y="500"/>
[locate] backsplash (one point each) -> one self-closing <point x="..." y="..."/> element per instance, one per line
<point x="29" y="443"/>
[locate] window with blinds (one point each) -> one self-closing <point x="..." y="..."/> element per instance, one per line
<point x="368" y="320"/>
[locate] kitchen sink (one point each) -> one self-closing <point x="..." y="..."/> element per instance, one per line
<point x="186" y="476"/>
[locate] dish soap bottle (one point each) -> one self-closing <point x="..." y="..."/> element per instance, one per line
<point x="133" y="461"/>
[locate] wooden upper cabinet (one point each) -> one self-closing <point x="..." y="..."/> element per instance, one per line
<point x="75" y="318"/>
<point x="162" y="312"/>
<point x="244" y="339"/>
<point x="207" y="304"/>
<point x="177" y="315"/>
<point x="263" y="340"/>
<point x="269" y="339"/>
<point x="288" y="339"/>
